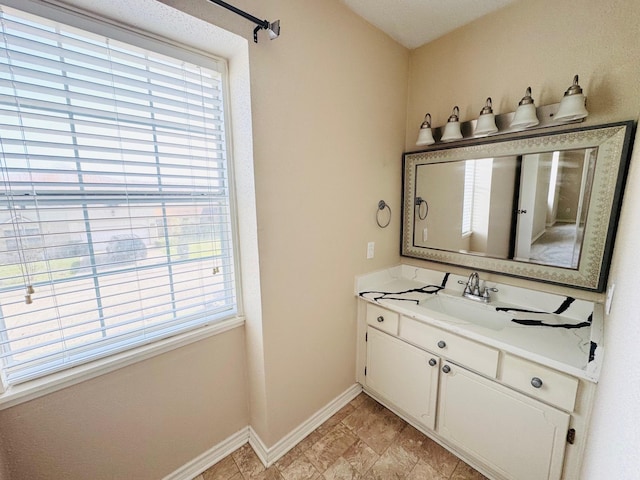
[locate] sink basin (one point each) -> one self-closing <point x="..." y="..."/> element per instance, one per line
<point x="467" y="311"/>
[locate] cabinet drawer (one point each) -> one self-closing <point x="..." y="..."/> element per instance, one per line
<point x="474" y="355"/>
<point x="549" y="385"/>
<point x="382" y="319"/>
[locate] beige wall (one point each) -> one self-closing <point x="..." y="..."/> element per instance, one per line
<point x="143" y="421"/>
<point x="543" y="43"/>
<point x="537" y="43"/>
<point x="4" y="461"/>
<point x="329" y="105"/>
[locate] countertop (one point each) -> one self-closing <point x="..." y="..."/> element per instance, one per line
<point x="560" y="332"/>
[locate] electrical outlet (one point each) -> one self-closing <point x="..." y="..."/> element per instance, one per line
<point x="370" y="249"/>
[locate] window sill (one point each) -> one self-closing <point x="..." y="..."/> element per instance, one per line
<point x="33" y="389"/>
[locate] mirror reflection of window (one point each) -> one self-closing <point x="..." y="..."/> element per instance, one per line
<point x="467" y="204"/>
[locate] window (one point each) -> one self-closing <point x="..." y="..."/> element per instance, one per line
<point x="115" y="203"/>
<point x="467" y="203"/>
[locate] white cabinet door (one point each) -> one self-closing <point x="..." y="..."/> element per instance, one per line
<point x="404" y="375"/>
<point x="519" y="437"/>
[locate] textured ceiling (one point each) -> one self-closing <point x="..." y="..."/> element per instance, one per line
<point x="416" y="22"/>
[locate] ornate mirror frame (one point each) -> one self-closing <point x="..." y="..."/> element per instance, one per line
<point x="614" y="147"/>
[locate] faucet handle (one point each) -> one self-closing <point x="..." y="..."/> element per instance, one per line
<point x="467" y="286"/>
<point x="487" y="292"/>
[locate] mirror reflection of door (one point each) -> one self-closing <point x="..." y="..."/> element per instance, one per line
<point x="555" y="189"/>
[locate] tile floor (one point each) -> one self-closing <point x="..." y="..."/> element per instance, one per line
<point x="363" y="441"/>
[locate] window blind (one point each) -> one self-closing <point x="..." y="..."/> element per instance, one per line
<point x="467" y="204"/>
<point x="115" y="215"/>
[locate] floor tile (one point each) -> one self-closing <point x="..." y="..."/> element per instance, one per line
<point x="223" y="470"/>
<point x="424" y="471"/>
<point x="439" y="457"/>
<point x="362" y="441"/>
<point x="298" y="450"/>
<point x="465" y="472"/>
<point x="271" y="473"/>
<point x="335" y="419"/>
<point x="394" y="463"/>
<point x="341" y="470"/>
<point x="330" y="447"/>
<point x="380" y="430"/>
<point x="247" y="461"/>
<point x="360" y="456"/>
<point x="412" y="440"/>
<point x="358" y="400"/>
<point x="300" y="469"/>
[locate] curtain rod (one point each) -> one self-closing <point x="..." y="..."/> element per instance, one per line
<point x="272" y="28"/>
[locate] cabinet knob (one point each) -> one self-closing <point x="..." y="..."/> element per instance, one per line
<point x="536" y="382"/>
<point x="442" y="344"/>
<point x="446" y="369"/>
<point x="432" y="362"/>
<point x="380" y="319"/>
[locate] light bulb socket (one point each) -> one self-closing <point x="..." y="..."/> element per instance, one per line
<point x="455" y="115"/>
<point x="427" y="121"/>
<point x="425" y="136"/>
<point x="574" y="89"/>
<point x="486" y="123"/>
<point x="526" y="100"/>
<point x="488" y="107"/>
<point x="525" y="115"/>
<point x="572" y="106"/>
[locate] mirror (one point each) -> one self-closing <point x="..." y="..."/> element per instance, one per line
<point x="542" y="206"/>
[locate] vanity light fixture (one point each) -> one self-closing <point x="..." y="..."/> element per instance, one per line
<point x="572" y="105"/>
<point x="452" y="128"/>
<point x="272" y="28"/>
<point x="425" y="137"/>
<point x="486" y="124"/>
<point x="525" y="116"/>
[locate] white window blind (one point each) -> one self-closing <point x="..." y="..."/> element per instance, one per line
<point x="467" y="204"/>
<point x="115" y="205"/>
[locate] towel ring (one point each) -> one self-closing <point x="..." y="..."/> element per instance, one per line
<point x="419" y="202"/>
<point x="381" y="206"/>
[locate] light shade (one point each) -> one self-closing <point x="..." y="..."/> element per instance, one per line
<point x="425" y="137"/>
<point x="486" y="124"/>
<point x="452" y="127"/>
<point x="572" y="106"/>
<point x="525" y="116"/>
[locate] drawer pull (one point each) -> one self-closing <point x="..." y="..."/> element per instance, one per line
<point x="446" y="369"/>
<point x="432" y="362"/>
<point x="380" y="319"/>
<point x="442" y="344"/>
<point x="536" y="382"/>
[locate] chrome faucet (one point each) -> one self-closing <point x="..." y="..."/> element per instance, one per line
<point x="473" y="290"/>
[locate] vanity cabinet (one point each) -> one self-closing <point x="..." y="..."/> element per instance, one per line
<point x="508" y="416"/>
<point x="404" y="375"/>
<point x="519" y="437"/>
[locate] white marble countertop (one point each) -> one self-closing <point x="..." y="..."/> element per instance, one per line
<point x="560" y="332"/>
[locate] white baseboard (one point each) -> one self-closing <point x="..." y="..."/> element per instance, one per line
<point x="209" y="458"/>
<point x="268" y="456"/>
